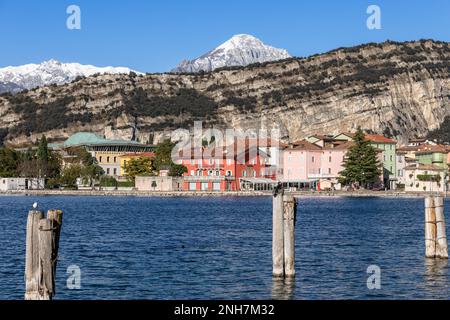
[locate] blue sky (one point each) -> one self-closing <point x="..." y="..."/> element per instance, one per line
<point x="154" y="35"/>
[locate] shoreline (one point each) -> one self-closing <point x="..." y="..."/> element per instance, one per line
<point x="131" y="193"/>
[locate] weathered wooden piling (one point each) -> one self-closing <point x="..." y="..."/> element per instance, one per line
<point x="278" y="235"/>
<point x="441" y="237"/>
<point x="430" y="228"/>
<point x="41" y="254"/>
<point x="289" y="228"/>
<point x="283" y="228"/>
<point x="435" y="235"/>
<point x="32" y="255"/>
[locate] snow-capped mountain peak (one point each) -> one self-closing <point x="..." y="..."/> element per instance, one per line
<point x="28" y="76"/>
<point x="239" y="50"/>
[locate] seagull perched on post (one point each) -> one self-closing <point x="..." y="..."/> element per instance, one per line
<point x="35" y="205"/>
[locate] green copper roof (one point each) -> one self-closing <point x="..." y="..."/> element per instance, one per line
<point x="90" y="139"/>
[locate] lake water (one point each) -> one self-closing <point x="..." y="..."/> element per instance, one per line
<point x="220" y="248"/>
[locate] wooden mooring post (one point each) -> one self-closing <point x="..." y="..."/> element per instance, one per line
<point x="435" y="236"/>
<point x="42" y="244"/>
<point x="283" y="234"/>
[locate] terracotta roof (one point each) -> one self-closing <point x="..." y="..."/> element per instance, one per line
<point x="417" y="140"/>
<point x="304" y="145"/>
<point x="378" y="138"/>
<point x="407" y="148"/>
<point x="427" y="148"/>
<point x="341" y="145"/>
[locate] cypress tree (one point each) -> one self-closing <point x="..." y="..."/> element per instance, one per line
<point x="361" y="165"/>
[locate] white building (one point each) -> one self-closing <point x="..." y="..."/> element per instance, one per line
<point x="425" y="178"/>
<point x="13" y="184"/>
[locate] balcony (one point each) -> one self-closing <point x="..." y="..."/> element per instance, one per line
<point x="207" y="178"/>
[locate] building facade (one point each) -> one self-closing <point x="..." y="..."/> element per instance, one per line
<point x="107" y="152"/>
<point x="226" y="169"/>
<point x="425" y="178"/>
<point x="14" y="184"/>
<point x="388" y="157"/>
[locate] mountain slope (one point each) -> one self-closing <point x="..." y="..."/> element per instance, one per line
<point x="14" y="79"/>
<point x="240" y="50"/>
<point x="397" y="89"/>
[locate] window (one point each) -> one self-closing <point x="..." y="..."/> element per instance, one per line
<point x="217" y="173"/>
<point x="312" y="159"/>
<point x="384" y="157"/>
<point x="400" y="173"/>
<point x="329" y="170"/>
<point x="115" y="159"/>
<point x="229" y="173"/>
<point x="107" y="171"/>
<point x="244" y="173"/>
<point x="192" y="186"/>
<point x="229" y="162"/>
<point x="107" y="159"/>
<point x="211" y="161"/>
<point x="100" y="159"/>
<point x="192" y="173"/>
<point x="115" y="171"/>
<point x="210" y="172"/>
<point x="390" y="157"/>
<point x="329" y="159"/>
<point x="320" y="170"/>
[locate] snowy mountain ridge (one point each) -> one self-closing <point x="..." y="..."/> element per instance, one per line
<point x="29" y="76"/>
<point x="240" y="50"/>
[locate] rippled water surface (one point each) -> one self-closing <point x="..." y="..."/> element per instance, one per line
<point x="220" y="248"/>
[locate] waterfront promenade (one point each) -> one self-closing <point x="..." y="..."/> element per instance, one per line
<point x="359" y="193"/>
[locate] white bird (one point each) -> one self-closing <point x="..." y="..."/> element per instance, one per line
<point x="35" y="205"/>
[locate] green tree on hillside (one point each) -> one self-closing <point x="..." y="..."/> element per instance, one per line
<point x="9" y="161"/>
<point x="43" y="154"/>
<point x="361" y="165"/>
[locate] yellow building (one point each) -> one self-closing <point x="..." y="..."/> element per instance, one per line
<point x="108" y="152"/>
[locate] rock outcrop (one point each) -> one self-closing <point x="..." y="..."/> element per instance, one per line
<point x="398" y="89"/>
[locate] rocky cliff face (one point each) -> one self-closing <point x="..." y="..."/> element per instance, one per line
<point x="397" y="89"/>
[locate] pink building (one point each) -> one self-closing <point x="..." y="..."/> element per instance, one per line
<point x="300" y="160"/>
<point x="307" y="165"/>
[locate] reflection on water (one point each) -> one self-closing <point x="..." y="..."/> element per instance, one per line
<point x="221" y="248"/>
<point x="283" y="289"/>
<point x="436" y="276"/>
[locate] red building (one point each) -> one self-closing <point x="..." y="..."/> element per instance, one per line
<point x="225" y="169"/>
